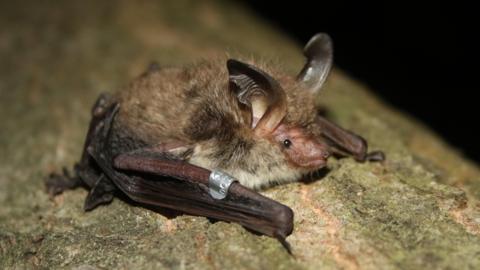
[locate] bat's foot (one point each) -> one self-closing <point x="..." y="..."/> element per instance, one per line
<point x="58" y="183"/>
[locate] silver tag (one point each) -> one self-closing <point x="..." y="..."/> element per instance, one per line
<point x="219" y="183"/>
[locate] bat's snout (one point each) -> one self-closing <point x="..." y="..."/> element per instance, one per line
<point x="316" y="155"/>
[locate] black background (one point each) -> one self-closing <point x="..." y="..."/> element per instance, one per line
<point x="421" y="57"/>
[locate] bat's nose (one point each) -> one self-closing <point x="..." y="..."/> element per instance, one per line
<point x="316" y="154"/>
<point x="317" y="150"/>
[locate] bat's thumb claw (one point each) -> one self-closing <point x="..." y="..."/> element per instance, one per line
<point x="285" y="244"/>
<point x="375" y="156"/>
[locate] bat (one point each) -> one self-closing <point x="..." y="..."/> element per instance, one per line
<point x="204" y="138"/>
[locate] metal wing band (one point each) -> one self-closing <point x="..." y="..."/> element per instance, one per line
<point x="219" y="183"/>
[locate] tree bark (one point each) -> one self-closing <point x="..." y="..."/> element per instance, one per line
<point x="417" y="210"/>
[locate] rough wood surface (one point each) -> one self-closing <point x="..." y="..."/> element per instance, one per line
<point x="420" y="209"/>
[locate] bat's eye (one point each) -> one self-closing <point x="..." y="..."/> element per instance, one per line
<point x="287" y="143"/>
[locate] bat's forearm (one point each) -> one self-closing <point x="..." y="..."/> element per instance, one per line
<point x="191" y="195"/>
<point x="344" y="139"/>
<point x="173" y="168"/>
<point x="345" y="142"/>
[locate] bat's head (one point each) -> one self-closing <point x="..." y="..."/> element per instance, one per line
<point x="282" y="113"/>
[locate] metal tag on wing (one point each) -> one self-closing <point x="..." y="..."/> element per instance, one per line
<point x="219" y="183"/>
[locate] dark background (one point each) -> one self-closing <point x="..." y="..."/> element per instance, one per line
<point x="420" y="57"/>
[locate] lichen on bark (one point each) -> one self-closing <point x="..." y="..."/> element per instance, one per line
<point x="417" y="210"/>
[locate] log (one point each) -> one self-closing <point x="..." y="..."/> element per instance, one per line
<point x="417" y="210"/>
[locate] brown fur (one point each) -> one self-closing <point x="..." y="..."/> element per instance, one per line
<point x="194" y="106"/>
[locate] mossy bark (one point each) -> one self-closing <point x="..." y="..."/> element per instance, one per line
<point x="419" y="209"/>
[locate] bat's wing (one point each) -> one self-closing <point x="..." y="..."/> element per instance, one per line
<point x="86" y="172"/>
<point x="345" y="142"/>
<point x="160" y="181"/>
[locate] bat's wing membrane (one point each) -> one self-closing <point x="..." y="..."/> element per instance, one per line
<point x="161" y="181"/>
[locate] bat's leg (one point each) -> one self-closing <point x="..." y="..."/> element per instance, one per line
<point x="344" y="142"/>
<point x="153" y="180"/>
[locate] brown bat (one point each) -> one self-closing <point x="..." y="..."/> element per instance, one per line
<point x="201" y="139"/>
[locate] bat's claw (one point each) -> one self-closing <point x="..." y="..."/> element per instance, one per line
<point x="100" y="193"/>
<point x="285" y="244"/>
<point x="375" y="156"/>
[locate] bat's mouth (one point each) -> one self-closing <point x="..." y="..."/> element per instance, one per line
<point x="315" y="164"/>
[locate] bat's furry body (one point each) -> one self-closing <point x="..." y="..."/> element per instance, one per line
<point x="193" y="107"/>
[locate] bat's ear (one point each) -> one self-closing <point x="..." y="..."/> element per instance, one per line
<point x="319" y="53"/>
<point x="259" y="92"/>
